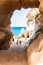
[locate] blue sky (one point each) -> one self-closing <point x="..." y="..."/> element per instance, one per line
<point x="18" y="18"/>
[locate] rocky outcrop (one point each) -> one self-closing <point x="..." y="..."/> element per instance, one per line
<point x="8" y="6"/>
<point x="35" y="50"/>
<point x="5" y="38"/>
<point x="41" y="11"/>
<point x="5" y="20"/>
<point x="6" y="9"/>
<point x="41" y="6"/>
<point x="36" y="58"/>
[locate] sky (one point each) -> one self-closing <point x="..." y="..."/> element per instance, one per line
<point x="18" y="18"/>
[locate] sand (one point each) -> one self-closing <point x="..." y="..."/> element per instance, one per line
<point x="15" y="55"/>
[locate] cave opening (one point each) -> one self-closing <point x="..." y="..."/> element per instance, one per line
<point x="22" y="29"/>
<point x="18" y="20"/>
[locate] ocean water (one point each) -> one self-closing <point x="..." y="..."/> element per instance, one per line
<point x="16" y="30"/>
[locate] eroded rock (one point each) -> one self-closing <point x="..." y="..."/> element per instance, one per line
<point x="8" y="6"/>
<point x="34" y="51"/>
<point x="5" y="38"/>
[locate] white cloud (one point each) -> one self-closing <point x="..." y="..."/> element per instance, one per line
<point x="18" y="18"/>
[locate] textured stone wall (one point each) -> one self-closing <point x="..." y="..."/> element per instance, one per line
<point x="6" y="9"/>
<point x="8" y="6"/>
<point x="5" y="37"/>
<point x="41" y="11"/>
<point x="35" y="51"/>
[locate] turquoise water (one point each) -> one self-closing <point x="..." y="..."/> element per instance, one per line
<point x="16" y="30"/>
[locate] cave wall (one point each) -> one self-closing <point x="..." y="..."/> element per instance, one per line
<point x="8" y="6"/>
<point x="41" y="11"/>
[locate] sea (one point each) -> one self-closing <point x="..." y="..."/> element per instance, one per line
<point x="16" y="30"/>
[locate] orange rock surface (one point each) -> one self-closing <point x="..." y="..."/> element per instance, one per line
<point x="6" y="9"/>
<point x="34" y="51"/>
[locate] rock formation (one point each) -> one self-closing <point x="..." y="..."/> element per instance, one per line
<point x="41" y="11"/>
<point x="35" y="51"/>
<point x="8" y="6"/>
<point x="5" y="38"/>
<point x="6" y="9"/>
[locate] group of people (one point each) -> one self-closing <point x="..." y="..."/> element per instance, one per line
<point x="32" y="27"/>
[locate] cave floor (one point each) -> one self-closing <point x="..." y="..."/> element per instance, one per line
<point x="15" y="55"/>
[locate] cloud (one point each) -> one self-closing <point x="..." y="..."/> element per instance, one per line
<point x="18" y="18"/>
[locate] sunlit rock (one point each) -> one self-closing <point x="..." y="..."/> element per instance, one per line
<point x="40" y="64"/>
<point x="41" y="11"/>
<point x="33" y="22"/>
<point x="34" y="12"/>
<point x="8" y="6"/>
<point x="40" y="45"/>
<point x="21" y="35"/>
<point x="36" y="57"/>
<point x="35" y="51"/>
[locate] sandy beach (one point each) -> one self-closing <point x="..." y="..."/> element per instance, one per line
<point x="15" y="55"/>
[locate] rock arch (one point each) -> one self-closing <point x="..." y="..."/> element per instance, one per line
<point x="8" y="6"/>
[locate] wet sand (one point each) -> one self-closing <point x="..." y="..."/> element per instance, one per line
<point x="16" y="55"/>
